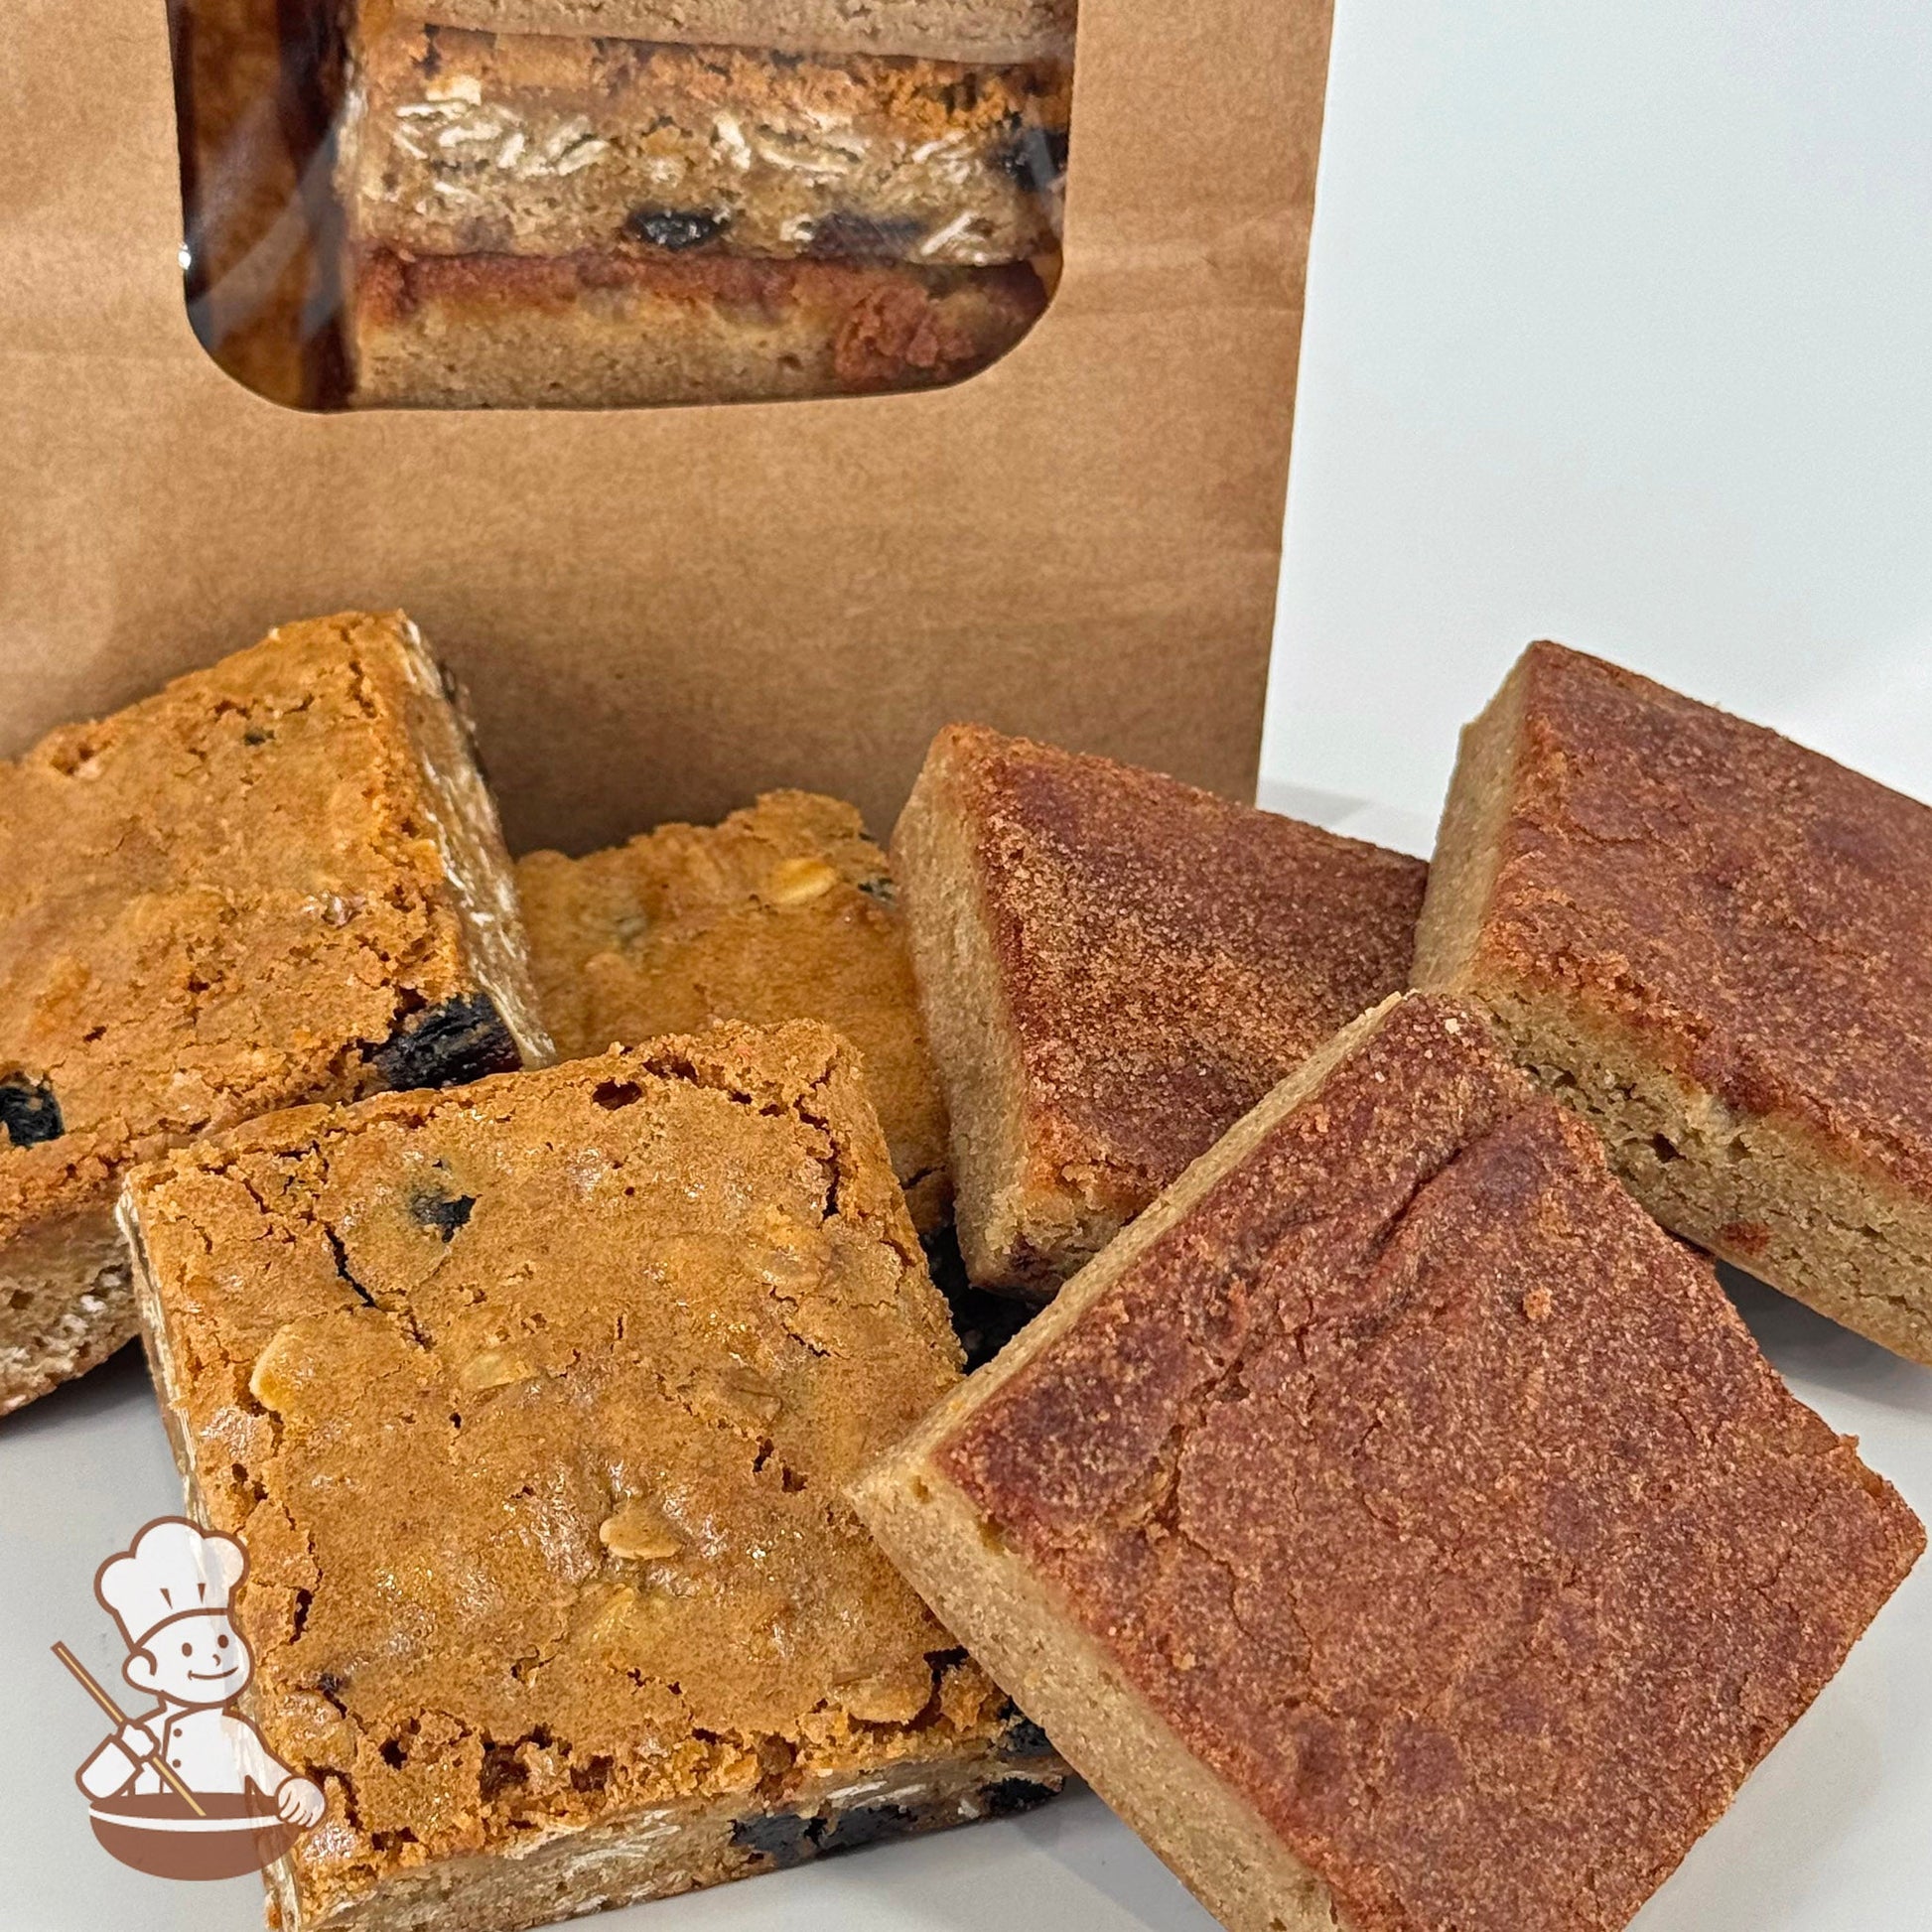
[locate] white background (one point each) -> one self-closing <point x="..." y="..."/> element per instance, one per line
<point x="1619" y="330"/>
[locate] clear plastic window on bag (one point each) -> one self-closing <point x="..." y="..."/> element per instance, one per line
<point x="610" y="203"/>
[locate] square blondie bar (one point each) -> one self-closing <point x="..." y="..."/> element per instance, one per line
<point x="783" y="912"/>
<point x="1717" y="946"/>
<point x="1394" y="1524"/>
<point x="533" y="1404"/>
<point x="1113" y="968"/>
<point x="280" y="878"/>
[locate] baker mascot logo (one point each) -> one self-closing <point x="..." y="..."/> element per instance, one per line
<point x="187" y="1789"/>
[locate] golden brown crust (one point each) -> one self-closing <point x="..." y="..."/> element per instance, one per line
<point x="1758" y="916"/>
<point x="783" y="912"/>
<point x="1435" y="1499"/>
<point x="253" y="889"/>
<point x="1150" y="959"/>
<point x="534" y="1406"/>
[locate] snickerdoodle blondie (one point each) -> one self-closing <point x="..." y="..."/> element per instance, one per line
<point x="1113" y="968"/>
<point x="1396" y="1527"/>
<point x="1717" y="946"/>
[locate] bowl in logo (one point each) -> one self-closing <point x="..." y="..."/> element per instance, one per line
<point x="161" y="1835"/>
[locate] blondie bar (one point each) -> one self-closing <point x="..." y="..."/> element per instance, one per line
<point x="533" y="144"/>
<point x="279" y="879"/>
<point x="989" y="30"/>
<point x="1717" y="946"/>
<point x="783" y="912"/>
<point x="1394" y="1524"/>
<point x="534" y="1404"/>
<point x="1113" y="968"/>
<point x="613" y="331"/>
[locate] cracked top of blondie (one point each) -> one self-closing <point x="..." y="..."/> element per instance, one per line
<point x="1434" y="1497"/>
<point x="783" y="912"/>
<point x="534" y="1404"/>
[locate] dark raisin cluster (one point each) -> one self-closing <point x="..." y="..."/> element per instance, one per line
<point x="789" y="1837"/>
<point x="1035" y="157"/>
<point x="443" y="1212"/>
<point x="460" y="1040"/>
<point x="674" y="228"/>
<point x="29" y="1111"/>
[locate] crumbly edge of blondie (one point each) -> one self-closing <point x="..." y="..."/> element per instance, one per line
<point x="66" y="1304"/>
<point x="469" y="839"/>
<point x="669" y="1850"/>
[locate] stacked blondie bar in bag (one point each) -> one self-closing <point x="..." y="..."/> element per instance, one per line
<point x="614" y="202"/>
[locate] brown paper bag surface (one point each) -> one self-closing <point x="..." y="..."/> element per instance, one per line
<point x="660" y="612"/>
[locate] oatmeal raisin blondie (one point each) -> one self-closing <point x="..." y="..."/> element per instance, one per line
<point x="532" y="144"/>
<point x="783" y="912"/>
<point x="279" y="879"/>
<point x="534" y="1404"/>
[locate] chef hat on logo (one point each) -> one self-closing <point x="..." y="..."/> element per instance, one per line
<point x="174" y="1569"/>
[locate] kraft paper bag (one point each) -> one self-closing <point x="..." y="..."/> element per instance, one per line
<point x="660" y="612"/>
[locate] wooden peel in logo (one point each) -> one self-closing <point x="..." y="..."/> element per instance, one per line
<point x="120" y="1717"/>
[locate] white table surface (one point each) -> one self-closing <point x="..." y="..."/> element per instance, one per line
<point x="1620" y="323"/>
